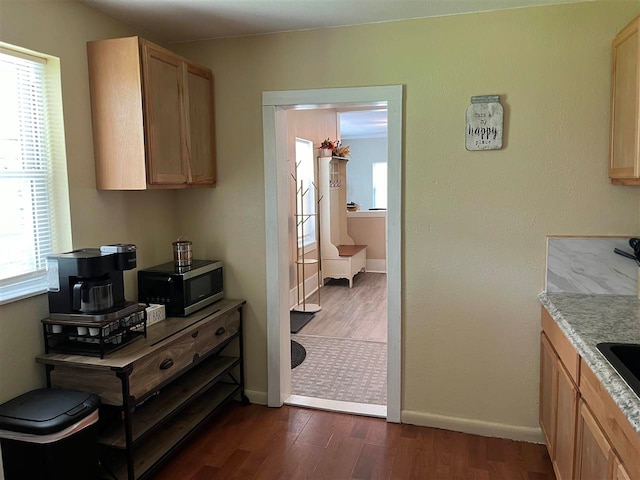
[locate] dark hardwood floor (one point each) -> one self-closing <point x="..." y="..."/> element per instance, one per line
<point x="258" y="442"/>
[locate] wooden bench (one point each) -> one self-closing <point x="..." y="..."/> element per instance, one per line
<point x="351" y="259"/>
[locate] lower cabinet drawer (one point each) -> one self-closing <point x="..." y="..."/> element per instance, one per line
<point x="217" y="331"/>
<point x="151" y="371"/>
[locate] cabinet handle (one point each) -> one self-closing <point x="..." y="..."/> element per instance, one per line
<point x="220" y="331"/>
<point x="194" y="334"/>
<point x="166" y="364"/>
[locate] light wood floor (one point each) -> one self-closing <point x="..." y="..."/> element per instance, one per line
<point x="257" y="442"/>
<point x="358" y="313"/>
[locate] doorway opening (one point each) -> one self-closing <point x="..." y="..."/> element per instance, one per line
<point x="277" y="184"/>
<point x="338" y="266"/>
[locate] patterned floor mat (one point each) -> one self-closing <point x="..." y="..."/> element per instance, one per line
<point x="342" y="369"/>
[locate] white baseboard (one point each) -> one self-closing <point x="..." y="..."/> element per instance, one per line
<point x="475" y="427"/>
<point x="311" y="286"/>
<point x="259" y="398"/>
<point x="376" y="266"/>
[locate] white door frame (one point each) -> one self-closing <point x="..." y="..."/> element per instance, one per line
<point x="274" y="106"/>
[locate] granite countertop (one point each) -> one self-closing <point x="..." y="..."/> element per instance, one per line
<point x="587" y="320"/>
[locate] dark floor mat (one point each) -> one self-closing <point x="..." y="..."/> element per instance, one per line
<point x="298" y="354"/>
<point x="299" y="320"/>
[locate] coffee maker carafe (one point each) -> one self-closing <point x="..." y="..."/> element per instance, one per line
<point x="93" y="295"/>
<point x="89" y="282"/>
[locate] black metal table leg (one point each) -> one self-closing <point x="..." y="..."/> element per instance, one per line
<point x="123" y="375"/>
<point x="49" y="369"/>
<point x="243" y="397"/>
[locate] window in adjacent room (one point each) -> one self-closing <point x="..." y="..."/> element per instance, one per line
<point x="306" y="202"/>
<point x="34" y="218"/>
<point x="380" y="185"/>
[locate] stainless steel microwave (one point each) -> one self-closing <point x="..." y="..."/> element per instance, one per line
<point x="183" y="290"/>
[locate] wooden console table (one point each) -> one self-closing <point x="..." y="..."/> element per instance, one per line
<point x="158" y="390"/>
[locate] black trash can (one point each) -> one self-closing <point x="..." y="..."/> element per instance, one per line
<point x="50" y="434"/>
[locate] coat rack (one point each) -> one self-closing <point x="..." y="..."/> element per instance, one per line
<point x="301" y="259"/>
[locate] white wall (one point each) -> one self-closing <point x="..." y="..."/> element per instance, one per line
<point x="473" y="223"/>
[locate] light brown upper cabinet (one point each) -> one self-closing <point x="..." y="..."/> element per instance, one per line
<point x="152" y="114"/>
<point x="624" y="148"/>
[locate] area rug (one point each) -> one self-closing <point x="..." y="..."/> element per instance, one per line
<point x="299" y="320"/>
<point x="298" y="354"/>
<point x="342" y="369"/>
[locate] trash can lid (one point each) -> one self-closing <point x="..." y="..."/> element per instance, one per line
<point x="47" y="410"/>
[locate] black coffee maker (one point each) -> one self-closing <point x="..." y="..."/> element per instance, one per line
<point x="88" y="283"/>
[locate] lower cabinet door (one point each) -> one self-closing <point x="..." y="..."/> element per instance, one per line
<point x="567" y="408"/>
<point x="548" y="390"/>
<point x="594" y="456"/>
<point x="619" y="472"/>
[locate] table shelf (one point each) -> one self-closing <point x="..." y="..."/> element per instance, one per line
<point x="170" y="401"/>
<point x="149" y="454"/>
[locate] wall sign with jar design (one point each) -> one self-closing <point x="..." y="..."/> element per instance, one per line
<point x="485" y="118"/>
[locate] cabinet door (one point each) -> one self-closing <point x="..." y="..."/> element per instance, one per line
<point x="548" y="389"/>
<point x="567" y="407"/>
<point x="165" y="117"/>
<point x="619" y="472"/>
<point x="624" y="105"/>
<point x="201" y="138"/>
<point x="594" y="457"/>
<point x="115" y="82"/>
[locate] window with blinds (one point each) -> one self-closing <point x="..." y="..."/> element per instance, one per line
<point x="27" y="216"/>
<point x="306" y="202"/>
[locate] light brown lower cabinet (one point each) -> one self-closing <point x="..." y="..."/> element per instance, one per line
<point x="548" y="392"/>
<point x="587" y="436"/>
<point x="619" y="472"/>
<point x="558" y="408"/>
<point x="567" y="401"/>
<point x="594" y="455"/>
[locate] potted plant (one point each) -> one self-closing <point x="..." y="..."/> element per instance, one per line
<point x="326" y="148"/>
<point x="340" y="150"/>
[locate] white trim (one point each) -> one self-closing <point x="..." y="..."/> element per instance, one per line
<point x="367" y="214"/>
<point x="278" y="358"/>
<point x="376" y="265"/>
<point x="258" y="398"/>
<point x="310" y="286"/>
<point x="24" y="286"/>
<point x="355" y="408"/>
<point x="324" y="96"/>
<point x="475" y="427"/>
<point x="277" y="238"/>
<point x="22" y="53"/>
<point x="394" y="254"/>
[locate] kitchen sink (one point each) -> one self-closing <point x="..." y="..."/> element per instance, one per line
<point x="625" y="359"/>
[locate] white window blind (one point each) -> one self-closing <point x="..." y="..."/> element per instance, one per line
<point x="27" y="233"/>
